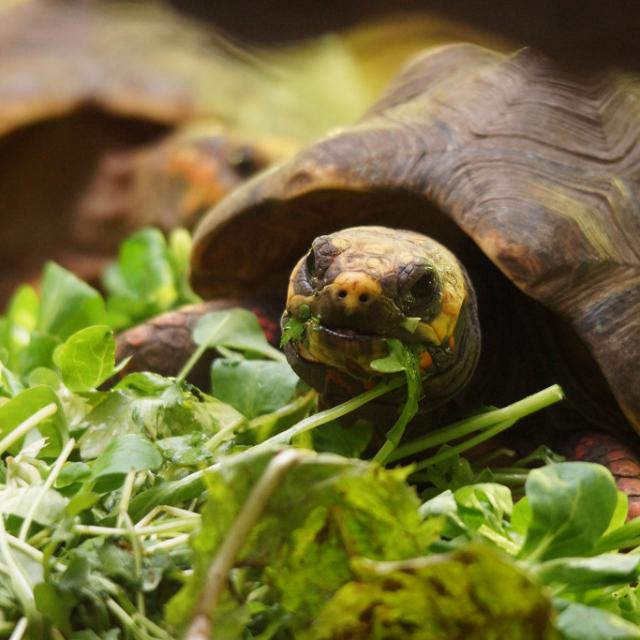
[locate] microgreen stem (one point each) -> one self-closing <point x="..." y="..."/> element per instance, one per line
<point x="18" y="579"/>
<point x="449" y="452"/>
<point x="510" y="478"/>
<point x="250" y="512"/>
<point x="333" y="413"/>
<point x="396" y="432"/>
<point x="300" y="405"/>
<point x="175" y="512"/>
<point x="197" y="354"/>
<point x="125" y="497"/>
<point x="161" y="634"/>
<point x="178" y="524"/>
<point x="35" y="554"/>
<point x="40" y="538"/>
<point x="512" y="412"/>
<point x="624" y="537"/>
<point x="223" y="435"/>
<point x="14" y="435"/>
<point x="48" y="483"/>
<point x="127" y="620"/>
<point x="138" y="551"/>
<point x="192" y="485"/>
<point x="166" y="545"/>
<point x="18" y="632"/>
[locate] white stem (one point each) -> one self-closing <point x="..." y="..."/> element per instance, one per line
<point x="35" y="554"/>
<point x="15" y="434"/>
<point x="252" y="509"/>
<point x="18" y="632"/>
<point x="51" y="478"/>
<point x="163" y="508"/>
<point x="162" y="527"/>
<point x="165" y="545"/>
<point x="18" y="579"/>
<point x="125" y="498"/>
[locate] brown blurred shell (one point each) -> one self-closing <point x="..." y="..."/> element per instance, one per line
<point x="84" y="85"/>
<point x="56" y="57"/>
<point x="89" y="90"/>
<point x="540" y="168"/>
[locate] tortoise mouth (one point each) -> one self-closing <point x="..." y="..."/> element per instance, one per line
<point x="348" y="334"/>
<point x="341" y="348"/>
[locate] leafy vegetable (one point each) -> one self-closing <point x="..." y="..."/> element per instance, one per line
<point x="16" y="428"/>
<point x="571" y="507"/>
<point x="253" y="387"/>
<point x="292" y="330"/>
<point x="149" y="405"/>
<point x="130" y="452"/>
<point x="470" y="593"/>
<point x="149" y="277"/>
<point x="236" y="329"/>
<point x="67" y="304"/>
<point x="580" y="622"/>
<point x="306" y="539"/>
<point x="115" y="497"/>
<point x="87" y="358"/>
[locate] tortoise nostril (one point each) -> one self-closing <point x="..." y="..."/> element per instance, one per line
<point x="342" y="293"/>
<point x="363" y="297"/>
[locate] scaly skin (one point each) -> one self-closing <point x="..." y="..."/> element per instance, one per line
<point x="360" y="286"/>
<point x="623" y="463"/>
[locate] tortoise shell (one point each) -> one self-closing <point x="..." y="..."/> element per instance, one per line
<point x="538" y="167"/>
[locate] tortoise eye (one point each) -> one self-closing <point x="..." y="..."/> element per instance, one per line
<point x="425" y="286"/>
<point x="422" y="296"/>
<point x="244" y="161"/>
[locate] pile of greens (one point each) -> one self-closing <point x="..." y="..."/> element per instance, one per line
<point x="147" y="508"/>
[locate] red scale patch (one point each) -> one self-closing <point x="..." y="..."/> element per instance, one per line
<point x="268" y="326"/>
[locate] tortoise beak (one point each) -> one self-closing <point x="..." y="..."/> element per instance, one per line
<point x="342" y="348"/>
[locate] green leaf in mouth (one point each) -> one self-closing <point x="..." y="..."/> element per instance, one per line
<point x="401" y="358"/>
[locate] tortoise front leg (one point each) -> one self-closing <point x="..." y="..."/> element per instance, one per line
<point x="164" y="344"/>
<point x="621" y="460"/>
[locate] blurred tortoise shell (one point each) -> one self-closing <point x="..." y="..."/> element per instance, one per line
<point x="538" y="167"/>
<point x="90" y="90"/>
<point x="84" y="86"/>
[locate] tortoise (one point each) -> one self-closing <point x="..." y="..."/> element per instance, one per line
<point x="521" y="175"/>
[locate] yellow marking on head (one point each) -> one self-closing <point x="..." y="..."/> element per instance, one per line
<point x="425" y="360"/>
<point x="426" y="332"/>
<point x="442" y="326"/>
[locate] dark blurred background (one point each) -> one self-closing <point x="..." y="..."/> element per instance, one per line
<point x="587" y="33"/>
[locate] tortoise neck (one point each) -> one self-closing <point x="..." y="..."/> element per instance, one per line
<point x="453" y="368"/>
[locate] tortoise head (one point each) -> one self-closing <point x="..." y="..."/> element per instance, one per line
<point x="358" y="287"/>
